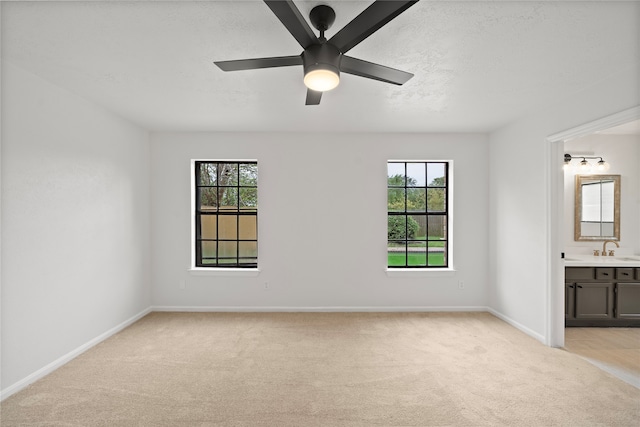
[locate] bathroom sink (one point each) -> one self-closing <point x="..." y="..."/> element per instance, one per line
<point x="626" y="258"/>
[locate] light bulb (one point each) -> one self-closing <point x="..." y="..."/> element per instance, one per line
<point x="584" y="166"/>
<point x="602" y="166"/>
<point x="321" y="80"/>
<point x="566" y="166"/>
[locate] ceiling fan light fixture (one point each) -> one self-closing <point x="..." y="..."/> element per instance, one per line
<point x="321" y="79"/>
<point x="321" y="64"/>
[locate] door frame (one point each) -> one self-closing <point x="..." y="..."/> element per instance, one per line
<point x="555" y="214"/>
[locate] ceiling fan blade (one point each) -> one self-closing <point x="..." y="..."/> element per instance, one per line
<point x="290" y="16"/>
<point x="373" y="71"/>
<point x="313" y="97"/>
<point x="368" y="22"/>
<point x="252" y="64"/>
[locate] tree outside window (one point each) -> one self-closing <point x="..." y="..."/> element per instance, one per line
<point x="226" y="214"/>
<point x="417" y="214"/>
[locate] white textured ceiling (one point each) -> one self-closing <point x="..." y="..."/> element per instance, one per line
<point x="478" y="65"/>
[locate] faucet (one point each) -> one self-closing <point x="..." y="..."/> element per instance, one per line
<point x="604" y="247"/>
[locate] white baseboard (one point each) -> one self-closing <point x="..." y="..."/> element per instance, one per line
<point x="518" y="326"/>
<point x="328" y="309"/>
<point x="40" y="373"/>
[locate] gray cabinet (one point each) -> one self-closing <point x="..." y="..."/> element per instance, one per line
<point x="602" y="296"/>
<point x="594" y="300"/>
<point x="570" y="301"/>
<point x="628" y="301"/>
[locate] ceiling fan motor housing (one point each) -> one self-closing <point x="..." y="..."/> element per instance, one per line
<point x="323" y="56"/>
<point x="322" y="17"/>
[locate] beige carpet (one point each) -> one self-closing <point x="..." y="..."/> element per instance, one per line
<point x="324" y="369"/>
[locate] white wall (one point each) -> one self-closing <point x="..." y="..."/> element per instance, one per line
<point x="322" y="221"/>
<point x="622" y="152"/>
<point x="75" y="208"/>
<point x="520" y="190"/>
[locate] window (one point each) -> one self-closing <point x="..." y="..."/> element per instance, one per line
<point x="418" y="214"/>
<point x="226" y="214"/>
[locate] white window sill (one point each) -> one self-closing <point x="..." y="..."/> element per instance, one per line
<point x="228" y="272"/>
<point x="420" y="272"/>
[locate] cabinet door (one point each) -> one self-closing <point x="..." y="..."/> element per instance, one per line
<point x="594" y="300"/>
<point x="628" y="301"/>
<point x="569" y="300"/>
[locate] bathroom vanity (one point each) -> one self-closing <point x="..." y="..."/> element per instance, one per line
<point x="602" y="291"/>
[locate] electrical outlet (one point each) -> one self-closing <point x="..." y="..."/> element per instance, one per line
<point x="460" y="284"/>
<point x="266" y="286"/>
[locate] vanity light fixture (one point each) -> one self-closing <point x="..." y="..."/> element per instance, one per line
<point x="584" y="166"/>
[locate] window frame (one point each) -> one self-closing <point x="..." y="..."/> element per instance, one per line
<point x="197" y="266"/>
<point x="447" y="268"/>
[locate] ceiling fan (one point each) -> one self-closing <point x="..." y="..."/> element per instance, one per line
<point x="323" y="59"/>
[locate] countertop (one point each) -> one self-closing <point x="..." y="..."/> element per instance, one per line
<point x="602" y="261"/>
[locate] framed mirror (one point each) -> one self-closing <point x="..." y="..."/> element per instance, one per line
<point x="597" y="207"/>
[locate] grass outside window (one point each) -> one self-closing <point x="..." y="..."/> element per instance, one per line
<point x="417" y="209"/>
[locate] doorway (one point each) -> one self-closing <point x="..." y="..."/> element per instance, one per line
<point x="613" y="350"/>
<point x="556" y="225"/>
